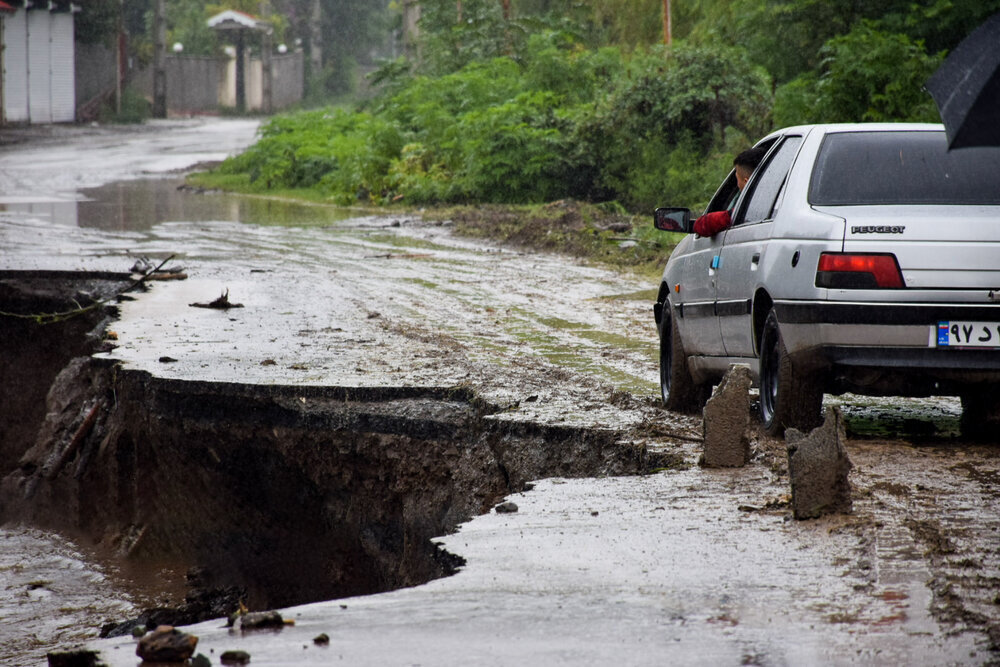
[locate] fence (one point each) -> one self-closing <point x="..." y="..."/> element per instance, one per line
<point x="198" y="84"/>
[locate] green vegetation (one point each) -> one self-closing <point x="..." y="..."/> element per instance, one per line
<point x="505" y="102"/>
<point x="134" y="109"/>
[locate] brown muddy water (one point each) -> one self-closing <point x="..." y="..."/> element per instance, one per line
<point x="557" y="360"/>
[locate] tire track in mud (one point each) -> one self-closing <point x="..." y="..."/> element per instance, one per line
<point x="932" y="516"/>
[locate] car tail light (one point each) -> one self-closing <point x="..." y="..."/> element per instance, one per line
<point x="858" y="271"/>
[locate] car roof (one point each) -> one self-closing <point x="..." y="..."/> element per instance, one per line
<point x="832" y="128"/>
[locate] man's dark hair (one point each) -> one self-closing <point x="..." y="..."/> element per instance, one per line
<point x="751" y="157"/>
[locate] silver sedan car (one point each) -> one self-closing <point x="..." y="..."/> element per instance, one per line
<point x="861" y="258"/>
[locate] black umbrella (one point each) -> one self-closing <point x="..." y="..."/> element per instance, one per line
<point x="966" y="88"/>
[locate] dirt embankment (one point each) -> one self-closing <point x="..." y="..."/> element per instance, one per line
<point x="293" y="494"/>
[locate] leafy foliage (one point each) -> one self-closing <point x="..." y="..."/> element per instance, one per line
<point x="537" y="100"/>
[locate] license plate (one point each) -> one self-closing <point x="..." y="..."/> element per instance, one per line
<point x="968" y="334"/>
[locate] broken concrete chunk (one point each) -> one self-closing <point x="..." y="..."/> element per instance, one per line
<point x="166" y="644"/>
<point x="234" y="658"/>
<point x="818" y="466"/>
<point x="726" y="417"/>
<point x="506" y="508"/>
<point x="260" y="620"/>
<point x="74" y="658"/>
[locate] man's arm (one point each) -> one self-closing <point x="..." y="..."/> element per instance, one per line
<point x="711" y="224"/>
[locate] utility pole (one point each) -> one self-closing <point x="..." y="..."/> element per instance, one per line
<point x="160" y="60"/>
<point x="315" y="38"/>
<point x="266" y="65"/>
<point x="667" y="37"/>
<point x="119" y="55"/>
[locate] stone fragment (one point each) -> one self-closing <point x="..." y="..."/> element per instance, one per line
<point x="260" y="620"/>
<point x="166" y="644"/>
<point x="201" y="660"/>
<point x="818" y="466"/>
<point x="506" y="508"/>
<point x="234" y="658"/>
<point x="78" y="657"/>
<point x="726" y="417"/>
<point x="321" y="639"/>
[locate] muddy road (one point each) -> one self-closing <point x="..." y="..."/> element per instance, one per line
<point x="466" y="371"/>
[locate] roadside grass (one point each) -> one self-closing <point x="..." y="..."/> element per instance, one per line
<point x="604" y="234"/>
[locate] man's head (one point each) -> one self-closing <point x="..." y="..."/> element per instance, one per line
<point x="746" y="162"/>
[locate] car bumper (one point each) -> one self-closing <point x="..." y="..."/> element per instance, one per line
<point x="895" y="338"/>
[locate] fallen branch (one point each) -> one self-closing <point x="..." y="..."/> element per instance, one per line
<point x="74" y="444"/>
<point x="222" y="303"/>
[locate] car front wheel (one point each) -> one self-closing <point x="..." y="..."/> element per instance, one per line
<point x="678" y="389"/>
<point x="787" y="398"/>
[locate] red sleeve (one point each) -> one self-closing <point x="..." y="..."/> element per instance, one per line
<point x="711" y="224"/>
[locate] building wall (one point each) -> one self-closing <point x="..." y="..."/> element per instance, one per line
<point x="95" y="72"/>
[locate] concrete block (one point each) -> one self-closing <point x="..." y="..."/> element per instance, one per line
<point x="818" y="466"/>
<point x="726" y="417"/>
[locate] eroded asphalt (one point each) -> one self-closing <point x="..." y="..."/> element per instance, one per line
<point x="686" y="565"/>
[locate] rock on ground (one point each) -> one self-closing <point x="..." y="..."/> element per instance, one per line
<point x="818" y="466"/>
<point x="727" y="415"/>
<point x="166" y="644"/>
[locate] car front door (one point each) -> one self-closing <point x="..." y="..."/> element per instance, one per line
<point x="696" y="289"/>
<point x="745" y="245"/>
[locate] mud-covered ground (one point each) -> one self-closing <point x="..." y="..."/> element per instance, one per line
<point x="684" y="565"/>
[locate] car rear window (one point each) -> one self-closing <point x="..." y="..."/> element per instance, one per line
<point x="904" y="167"/>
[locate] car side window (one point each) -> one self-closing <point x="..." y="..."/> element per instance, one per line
<point x="726" y="196"/>
<point x="769" y="183"/>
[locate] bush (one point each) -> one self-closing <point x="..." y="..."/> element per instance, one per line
<point x="561" y="122"/>
<point x="134" y="109"/>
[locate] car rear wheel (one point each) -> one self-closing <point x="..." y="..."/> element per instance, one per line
<point x="678" y="389"/>
<point x="787" y="398"/>
<point x="981" y="412"/>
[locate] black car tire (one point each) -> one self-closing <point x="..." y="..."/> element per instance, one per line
<point x="678" y="389"/>
<point x="788" y="399"/>
<point x="981" y="413"/>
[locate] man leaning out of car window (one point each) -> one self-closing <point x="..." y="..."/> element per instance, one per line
<point x="712" y="223"/>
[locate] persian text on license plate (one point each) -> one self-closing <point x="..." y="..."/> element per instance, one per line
<point x="968" y="334"/>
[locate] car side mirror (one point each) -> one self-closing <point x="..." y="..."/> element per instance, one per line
<point x="671" y="219"/>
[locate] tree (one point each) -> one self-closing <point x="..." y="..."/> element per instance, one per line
<point x="865" y="75"/>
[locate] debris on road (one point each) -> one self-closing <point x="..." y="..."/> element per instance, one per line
<point x="77" y="657"/>
<point x="727" y="415"/>
<point x="818" y="466"/>
<point x="222" y="303"/>
<point x="166" y="644"/>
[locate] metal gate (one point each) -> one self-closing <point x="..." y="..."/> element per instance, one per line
<point x="62" y="86"/>
<point x="39" y="73"/>
<point x="15" y="67"/>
